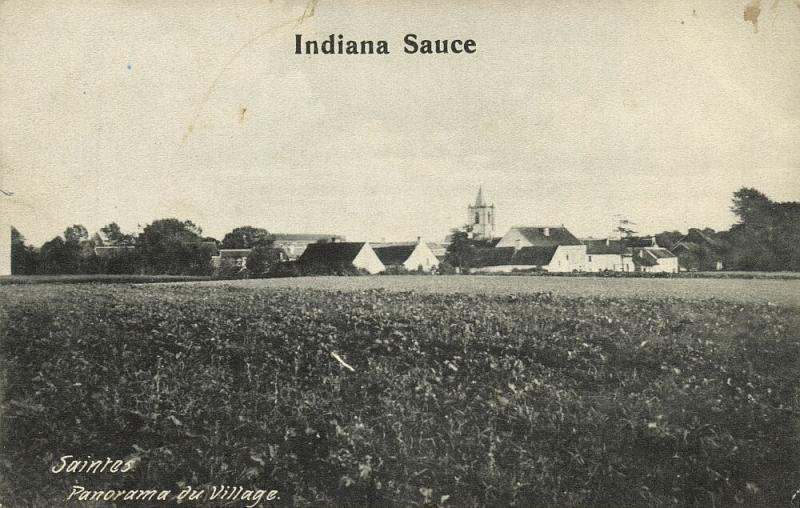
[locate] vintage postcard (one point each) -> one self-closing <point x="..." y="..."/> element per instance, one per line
<point x="399" y="253"/>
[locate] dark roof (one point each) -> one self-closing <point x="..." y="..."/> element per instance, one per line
<point x="234" y="253"/>
<point x="642" y="258"/>
<point x="493" y="256"/>
<point x="303" y="237"/>
<point x="604" y="247"/>
<point x="556" y="235"/>
<point x="534" y="256"/>
<point x="639" y="241"/>
<point x="394" y="254"/>
<point x="336" y="253"/>
<point x="660" y="253"/>
<point x="527" y="256"/>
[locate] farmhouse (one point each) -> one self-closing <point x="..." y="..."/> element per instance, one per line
<point x="701" y="250"/>
<point x="608" y="255"/>
<point x="411" y="256"/>
<point x="294" y="244"/>
<point x="654" y="260"/>
<point x="569" y="254"/>
<point x="237" y="257"/>
<point x="339" y="257"/>
<point x="509" y="259"/>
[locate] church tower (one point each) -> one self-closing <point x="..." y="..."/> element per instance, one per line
<point x="481" y="218"/>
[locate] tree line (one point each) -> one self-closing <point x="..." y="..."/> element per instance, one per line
<point x="164" y="247"/>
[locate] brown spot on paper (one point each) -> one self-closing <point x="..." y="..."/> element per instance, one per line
<point x="751" y="13"/>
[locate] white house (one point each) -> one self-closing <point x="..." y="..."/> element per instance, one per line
<point x="608" y="255"/>
<point x="411" y="256"/>
<point x="237" y="257"/>
<point x="336" y="256"/>
<point x="569" y="254"/>
<point x="654" y="260"/>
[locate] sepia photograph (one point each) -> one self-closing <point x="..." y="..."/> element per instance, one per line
<point x="399" y="253"/>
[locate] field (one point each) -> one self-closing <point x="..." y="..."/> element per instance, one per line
<point x="356" y="395"/>
<point x="775" y="291"/>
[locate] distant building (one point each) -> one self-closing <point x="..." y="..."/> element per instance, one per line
<point x="237" y="257"/>
<point x="295" y="244"/>
<point x="569" y="254"/>
<point x="509" y="259"/>
<point x="654" y="260"/>
<point x="481" y="218"/>
<point x="411" y="255"/>
<point x="338" y="256"/>
<point x="701" y="250"/>
<point x="608" y="255"/>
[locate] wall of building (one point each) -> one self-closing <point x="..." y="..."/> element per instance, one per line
<point x="368" y="260"/>
<point x="421" y="256"/>
<point x="568" y="258"/>
<point x="603" y="262"/>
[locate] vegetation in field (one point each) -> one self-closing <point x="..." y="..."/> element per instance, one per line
<point x="452" y="399"/>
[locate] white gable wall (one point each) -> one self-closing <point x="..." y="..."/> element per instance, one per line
<point x="421" y="256"/>
<point x="568" y="258"/>
<point x="510" y="239"/>
<point x="368" y="260"/>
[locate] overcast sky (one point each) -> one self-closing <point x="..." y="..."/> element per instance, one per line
<point x="569" y="112"/>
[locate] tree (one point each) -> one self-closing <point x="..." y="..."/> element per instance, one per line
<point x="112" y="234"/>
<point x="76" y="234"/>
<point x="247" y="237"/>
<point x="23" y="257"/>
<point x="752" y="207"/>
<point x="461" y="251"/>
<point x="262" y="260"/>
<point x="172" y="246"/>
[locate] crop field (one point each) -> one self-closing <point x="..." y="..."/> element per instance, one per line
<point x="763" y="290"/>
<point x="369" y="397"/>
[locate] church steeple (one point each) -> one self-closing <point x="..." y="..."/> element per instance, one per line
<point x="479" y="200"/>
<point x="481" y="217"/>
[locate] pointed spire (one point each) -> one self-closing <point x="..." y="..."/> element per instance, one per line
<point x="479" y="200"/>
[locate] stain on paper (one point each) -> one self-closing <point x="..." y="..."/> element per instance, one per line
<point x="751" y="13"/>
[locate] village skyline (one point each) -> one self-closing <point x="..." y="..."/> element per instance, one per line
<point x="131" y="119"/>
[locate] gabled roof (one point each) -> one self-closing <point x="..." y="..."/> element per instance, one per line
<point x="660" y="253"/>
<point x="336" y="253"/>
<point x="394" y="254"/>
<point x="234" y="253"/>
<point x="479" y="200"/>
<point x="526" y="256"/>
<point x="558" y="235"/>
<point x="303" y="237"/>
<point x="534" y="256"/>
<point x="493" y="256"/>
<point x="597" y="247"/>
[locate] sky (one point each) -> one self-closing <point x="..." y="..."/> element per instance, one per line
<point x="568" y="113"/>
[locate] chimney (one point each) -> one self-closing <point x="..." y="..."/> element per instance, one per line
<point x="608" y="241"/>
<point x="333" y="239"/>
<point x="419" y="239"/>
<point x="653" y="241"/>
<point x="546" y="231"/>
<point x="517" y="245"/>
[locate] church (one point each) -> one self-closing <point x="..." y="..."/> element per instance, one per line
<point x="481" y="219"/>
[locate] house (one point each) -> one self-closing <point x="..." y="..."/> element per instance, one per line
<point x="295" y="244"/>
<point x="569" y="254"/>
<point x="338" y="257"/>
<point x="411" y="255"/>
<point x="237" y="257"/>
<point x="654" y="259"/>
<point x="608" y="255"/>
<point x="701" y="250"/>
<point x="439" y="250"/>
<point x="509" y="259"/>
